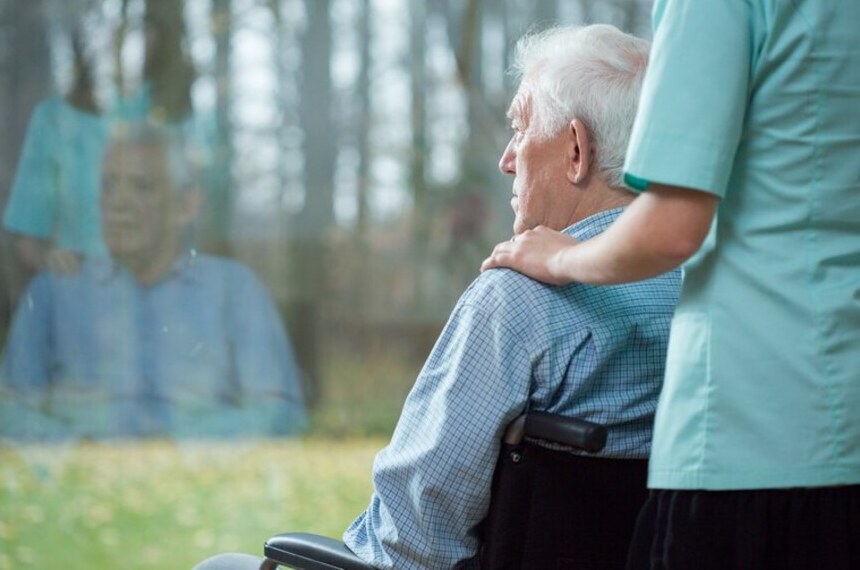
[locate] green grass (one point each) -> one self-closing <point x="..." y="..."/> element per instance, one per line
<point x="168" y="505"/>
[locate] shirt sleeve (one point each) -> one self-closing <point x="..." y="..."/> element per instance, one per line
<point x="431" y="483"/>
<point x="28" y="349"/>
<point x="694" y="97"/>
<point x="25" y="371"/>
<point x="268" y="377"/>
<point x="32" y="205"/>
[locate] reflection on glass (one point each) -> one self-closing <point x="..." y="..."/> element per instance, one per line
<point x="53" y="207"/>
<point x="152" y="339"/>
<point x="347" y="152"/>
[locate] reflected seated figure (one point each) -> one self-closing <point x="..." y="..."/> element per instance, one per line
<point x="154" y="339"/>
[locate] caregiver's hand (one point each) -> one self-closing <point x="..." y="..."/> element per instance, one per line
<point x="538" y="253"/>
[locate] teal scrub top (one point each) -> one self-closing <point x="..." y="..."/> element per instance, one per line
<point x="758" y="102"/>
<point x="55" y="195"/>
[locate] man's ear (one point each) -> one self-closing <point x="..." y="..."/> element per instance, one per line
<point x="580" y="153"/>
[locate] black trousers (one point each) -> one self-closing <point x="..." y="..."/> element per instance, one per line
<point x="780" y="529"/>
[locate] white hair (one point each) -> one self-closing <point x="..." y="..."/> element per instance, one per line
<point x="591" y="73"/>
<point x="179" y="155"/>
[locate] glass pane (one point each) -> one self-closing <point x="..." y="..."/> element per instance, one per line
<point x="233" y="230"/>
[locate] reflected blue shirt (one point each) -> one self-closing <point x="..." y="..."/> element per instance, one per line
<point x="200" y="353"/>
<point x="511" y="344"/>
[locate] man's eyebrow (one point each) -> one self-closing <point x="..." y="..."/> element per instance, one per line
<point x="515" y="111"/>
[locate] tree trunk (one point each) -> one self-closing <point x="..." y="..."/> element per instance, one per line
<point x="317" y="123"/>
<point x="309" y="278"/>
<point x="25" y="79"/>
<point x="217" y="209"/>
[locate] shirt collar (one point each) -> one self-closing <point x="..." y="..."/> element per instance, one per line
<point x="593" y="225"/>
<point x="106" y="268"/>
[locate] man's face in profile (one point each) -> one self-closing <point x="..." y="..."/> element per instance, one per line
<point x="541" y="191"/>
<point x="140" y="217"/>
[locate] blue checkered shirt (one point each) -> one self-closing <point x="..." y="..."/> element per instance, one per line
<point x="97" y="355"/>
<point x="511" y="345"/>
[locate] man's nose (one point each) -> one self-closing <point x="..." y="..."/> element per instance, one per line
<point x="508" y="160"/>
<point x="116" y="199"/>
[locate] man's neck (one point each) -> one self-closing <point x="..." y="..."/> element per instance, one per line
<point x="149" y="270"/>
<point x="599" y="199"/>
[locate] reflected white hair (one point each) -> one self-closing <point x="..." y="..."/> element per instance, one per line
<point x="591" y="73"/>
<point x="178" y="154"/>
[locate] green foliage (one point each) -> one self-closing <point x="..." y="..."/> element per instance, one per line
<point x="363" y="391"/>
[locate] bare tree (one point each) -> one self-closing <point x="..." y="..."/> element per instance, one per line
<point x="23" y="30"/>
<point x="364" y="120"/>
<point x="317" y="123"/>
<point x="167" y="66"/>
<point x="215" y="223"/>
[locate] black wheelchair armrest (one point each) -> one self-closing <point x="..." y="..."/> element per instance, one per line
<point x="572" y="432"/>
<point x="569" y="432"/>
<point x="312" y="552"/>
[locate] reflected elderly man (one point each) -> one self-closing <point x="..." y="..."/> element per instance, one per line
<point x="154" y="340"/>
<point x="513" y="344"/>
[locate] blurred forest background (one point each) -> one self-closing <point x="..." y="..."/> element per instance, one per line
<point x="350" y="150"/>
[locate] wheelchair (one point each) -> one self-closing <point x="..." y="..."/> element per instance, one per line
<point x="552" y="505"/>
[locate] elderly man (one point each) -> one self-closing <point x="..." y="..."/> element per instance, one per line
<point x="513" y="344"/>
<point x="156" y="339"/>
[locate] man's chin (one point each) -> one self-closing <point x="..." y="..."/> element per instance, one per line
<point x="119" y="247"/>
<point x="519" y="227"/>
